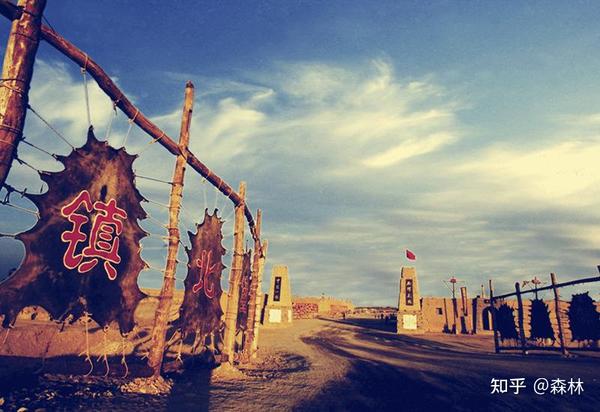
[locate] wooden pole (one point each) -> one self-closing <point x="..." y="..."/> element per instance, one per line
<point x="561" y="336"/>
<point x="464" y="299"/>
<point x="17" y="70"/>
<point x="163" y="311"/>
<point x="12" y="12"/>
<point x="520" y="316"/>
<point x="249" y="333"/>
<point x="235" y="276"/>
<point x="494" y="324"/>
<point x="454" y="309"/>
<point x="259" y="297"/>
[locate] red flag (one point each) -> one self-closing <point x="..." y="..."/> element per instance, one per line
<point x="410" y="255"/>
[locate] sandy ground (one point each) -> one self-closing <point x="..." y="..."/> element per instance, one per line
<point x="357" y="364"/>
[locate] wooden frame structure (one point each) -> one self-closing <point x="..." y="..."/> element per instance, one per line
<point x="27" y="30"/>
<point x="524" y="347"/>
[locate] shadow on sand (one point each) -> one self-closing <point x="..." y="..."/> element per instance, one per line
<point x="411" y="373"/>
<point x="61" y="385"/>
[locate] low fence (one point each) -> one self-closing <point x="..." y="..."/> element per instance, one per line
<point x="574" y="321"/>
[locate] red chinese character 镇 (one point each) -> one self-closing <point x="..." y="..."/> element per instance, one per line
<point x="107" y="225"/>
<point x="206" y="269"/>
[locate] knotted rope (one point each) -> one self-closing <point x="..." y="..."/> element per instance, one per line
<point x="131" y="121"/>
<point x="85" y="319"/>
<point x="85" y="90"/>
<point x="104" y="356"/>
<point x="5" y="336"/>
<point x="123" y="357"/>
<point x="110" y="123"/>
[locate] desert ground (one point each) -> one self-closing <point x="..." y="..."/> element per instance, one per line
<point x="316" y="364"/>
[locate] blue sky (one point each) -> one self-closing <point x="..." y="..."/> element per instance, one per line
<point x="465" y="131"/>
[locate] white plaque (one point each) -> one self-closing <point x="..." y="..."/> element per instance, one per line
<point x="409" y="322"/>
<point x="275" y="315"/>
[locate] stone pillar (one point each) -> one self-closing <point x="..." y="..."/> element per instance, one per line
<point x="279" y="304"/>
<point x="410" y="314"/>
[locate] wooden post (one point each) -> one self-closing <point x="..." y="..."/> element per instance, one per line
<point x="454" y="309"/>
<point x="464" y="300"/>
<point x="561" y="336"/>
<point x="259" y="298"/>
<point x="494" y="324"/>
<point x="249" y="333"/>
<point x="17" y="71"/>
<point x="12" y="12"/>
<point x="520" y="315"/>
<point x="163" y="311"/>
<point x="235" y="276"/>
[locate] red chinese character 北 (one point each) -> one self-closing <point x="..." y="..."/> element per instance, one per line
<point x="107" y="225"/>
<point x="204" y="263"/>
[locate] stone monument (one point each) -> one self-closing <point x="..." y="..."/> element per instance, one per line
<point x="278" y="308"/>
<point x="410" y="315"/>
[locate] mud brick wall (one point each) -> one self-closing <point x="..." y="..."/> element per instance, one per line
<point x="305" y="310"/>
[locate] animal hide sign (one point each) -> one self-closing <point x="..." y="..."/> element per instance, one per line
<point x="541" y="326"/>
<point x="505" y="319"/>
<point x="244" y="302"/>
<point x="201" y="309"/>
<point x="584" y="318"/>
<point x="83" y="254"/>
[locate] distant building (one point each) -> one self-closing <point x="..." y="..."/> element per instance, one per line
<point x="278" y="303"/>
<point x="311" y="307"/>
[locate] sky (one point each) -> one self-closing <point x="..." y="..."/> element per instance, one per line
<point x="465" y="131"/>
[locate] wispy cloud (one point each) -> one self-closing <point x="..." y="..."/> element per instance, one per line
<point x="352" y="164"/>
<point x="566" y="173"/>
<point x="408" y="149"/>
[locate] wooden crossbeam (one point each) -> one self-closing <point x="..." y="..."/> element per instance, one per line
<point x="12" y="12"/>
<point x="558" y="285"/>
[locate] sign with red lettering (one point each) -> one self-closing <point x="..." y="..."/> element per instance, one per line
<point x="201" y="309"/>
<point x="206" y="274"/>
<point x="83" y="254"/>
<point x="103" y="237"/>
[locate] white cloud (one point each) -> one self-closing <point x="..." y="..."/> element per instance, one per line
<point x="335" y="141"/>
<point x="355" y="118"/>
<point x="408" y="149"/>
<point x="353" y="164"/>
<point x="564" y="174"/>
<point x="60" y="99"/>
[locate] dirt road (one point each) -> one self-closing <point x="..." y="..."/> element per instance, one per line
<point x="438" y="372"/>
<point x="361" y="364"/>
<point x="358" y="365"/>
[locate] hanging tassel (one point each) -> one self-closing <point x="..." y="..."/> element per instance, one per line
<point x="211" y="345"/>
<point x="6" y="336"/>
<point x="86" y="318"/>
<point x="173" y="339"/>
<point x="104" y="356"/>
<point x="123" y="358"/>
<point x="41" y="368"/>
<point x="196" y="342"/>
<point x="178" y="357"/>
